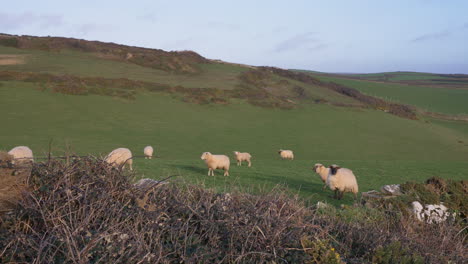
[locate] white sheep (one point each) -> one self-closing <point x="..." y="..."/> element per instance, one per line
<point x="342" y="180"/>
<point x="21" y="153"/>
<point x="286" y="154"/>
<point x="148" y="151"/>
<point x="323" y="172"/>
<point x="120" y="157"/>
<point x="242" y="156"/>
<point x="216" y="162"/>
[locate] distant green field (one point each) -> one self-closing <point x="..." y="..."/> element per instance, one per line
<point x="398" y="76"/>
<point x="380" y="148"/>
<point x="442" y="100"/>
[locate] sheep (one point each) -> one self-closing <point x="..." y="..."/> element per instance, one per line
<point x="286" y="154"/>
<point x="342" y="180"/>
<point x="120" y="157"/>
<point x="148" y="151"/>
<point x="323" y="172"/>
<point x="216" y="162"/>
<point x="21" y="153"/>
<point x="242" y="156"/>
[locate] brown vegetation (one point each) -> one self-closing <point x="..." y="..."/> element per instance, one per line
<point x="174" y="61"/>
<point x="13" y="181"/>
<point x="84" y="211"/>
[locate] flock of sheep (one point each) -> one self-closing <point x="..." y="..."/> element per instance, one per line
<point x="339" y="180"/>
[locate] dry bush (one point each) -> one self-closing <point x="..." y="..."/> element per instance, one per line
<point x="84" y="211"/>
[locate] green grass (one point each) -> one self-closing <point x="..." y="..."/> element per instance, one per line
<point x="441" y="100"/>
<point x="380" y="148"/>
<point x="216" y="75"/>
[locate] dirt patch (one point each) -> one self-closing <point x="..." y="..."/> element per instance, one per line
<point x="13" y="181"/>
<point x="12" y="59"/>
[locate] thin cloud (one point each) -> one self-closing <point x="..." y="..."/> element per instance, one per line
<point x="432" y="36"/>
<point x="303" y="40"/>
<point x="16" y="21"/>
<point x="297" y="41"/>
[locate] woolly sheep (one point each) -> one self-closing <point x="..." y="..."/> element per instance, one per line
<point x="342" y="180"/>
<point x="242" y="156"/>
<point x="120" y="157"/>
<point x="148" y="151"/>
<point x="323" y="172"/>
<point x="21" y="153"/>
<point x="286" y="154"/>
<point x="216" y="162"/>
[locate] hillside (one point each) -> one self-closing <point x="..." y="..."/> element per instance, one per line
<point x="92" y="97"/>
<point x="434" y="93"/>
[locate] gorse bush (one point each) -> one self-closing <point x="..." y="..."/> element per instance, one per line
<point x="84" y="211"/>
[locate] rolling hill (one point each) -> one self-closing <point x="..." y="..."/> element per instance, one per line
<point x="90" y="97"/>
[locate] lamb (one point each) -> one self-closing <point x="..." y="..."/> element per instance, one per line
<point x="342" y="180"/>
<point x="242" y="156"/>
<point x="286" y="154"/>
<point x="148" y="151"/>
<point x="323" y="172"/>
<point x="216" y="162"/>
<point x="120" y="157"/>
<point x="21" y="153"/>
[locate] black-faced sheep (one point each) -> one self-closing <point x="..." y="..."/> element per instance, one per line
<point x="342" y="180"/>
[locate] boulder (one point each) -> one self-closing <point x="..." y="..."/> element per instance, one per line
<point x="431" y="213"/>
<point x="391" y="189"/>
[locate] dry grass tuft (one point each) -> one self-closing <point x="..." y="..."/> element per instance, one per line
<point x="13" y="181"/>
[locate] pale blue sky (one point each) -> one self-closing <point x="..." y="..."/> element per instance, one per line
<point x="330" y="36"/>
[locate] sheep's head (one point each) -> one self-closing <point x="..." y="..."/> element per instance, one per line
<point x="334" y="168"/>
<point x="205" y="155"/>
<point x="279" y="151"/>
<point x="236" y="153"/>
<point x="318" y="167"/>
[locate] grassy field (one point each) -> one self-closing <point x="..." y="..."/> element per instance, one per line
<point x="433" y="99"/>
<point x="222" y="76"/>
<point x="380" y="148"/>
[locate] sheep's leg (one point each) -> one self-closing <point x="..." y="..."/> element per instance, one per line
<point x="324" y="186"/>
<point x="209" y="172"/>
<point x="250" y="164"/>
<point x="130" y="166"/>
<point x="340" y="193"/>
<point x="335" y="195"/>
<point x="150" y="157"/>
<point x="226" y="173"/>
